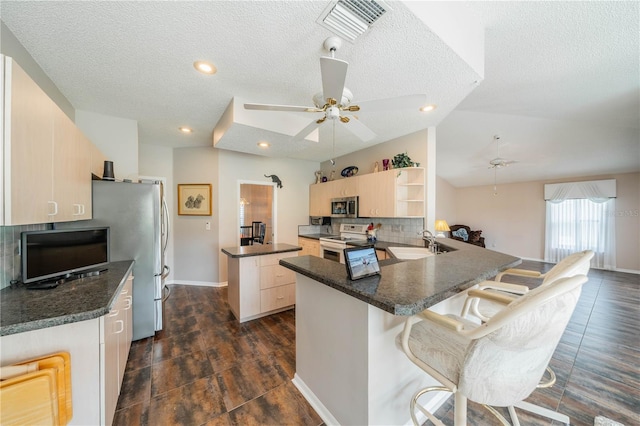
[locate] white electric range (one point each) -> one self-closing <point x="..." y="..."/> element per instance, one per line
<point x="332" y="248"/>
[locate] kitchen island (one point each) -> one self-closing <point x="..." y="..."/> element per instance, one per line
<point x="348" y="364"/>
<point x="258" y="285"/>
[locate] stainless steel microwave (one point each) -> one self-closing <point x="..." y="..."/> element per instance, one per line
<point x="344" y="207"/>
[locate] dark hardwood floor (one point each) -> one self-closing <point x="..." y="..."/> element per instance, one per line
<point x="206" y="369"/>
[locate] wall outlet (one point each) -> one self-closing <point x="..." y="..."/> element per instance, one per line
<point x="207" y="226"/>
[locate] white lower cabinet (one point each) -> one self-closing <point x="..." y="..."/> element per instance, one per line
<point x="115" y="342"/>
<point x="99" y="348"/>
<point x="259" y="286"/>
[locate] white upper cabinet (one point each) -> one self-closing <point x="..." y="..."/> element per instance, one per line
<point x="47" y="161"/>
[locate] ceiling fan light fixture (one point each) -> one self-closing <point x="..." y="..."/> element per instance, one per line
<point x="205" y="67"/>
<point x="428" y="108"/>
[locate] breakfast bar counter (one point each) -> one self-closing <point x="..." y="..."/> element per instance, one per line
<point x="406" y="288"/>
<point x="349" y="365"/>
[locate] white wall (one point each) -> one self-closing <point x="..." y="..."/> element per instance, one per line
<point x="292" y="200"/>
<point x="197" y="253"/>
<point x="117" y="138"/>
<point x="195" y="259"/>
<point x="446" y="201"/>
<point x="10" y="46"/>
<point x="513" y="221"/>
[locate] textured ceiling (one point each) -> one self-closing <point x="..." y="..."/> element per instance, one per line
<point x="559" y="68"/>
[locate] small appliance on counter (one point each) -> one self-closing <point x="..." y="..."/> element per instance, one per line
<point x="319" y="220"/>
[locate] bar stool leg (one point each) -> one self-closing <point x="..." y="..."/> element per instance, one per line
<point x="460" y="406"/>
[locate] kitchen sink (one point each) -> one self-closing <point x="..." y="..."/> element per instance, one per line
<point x="408" y="253"/>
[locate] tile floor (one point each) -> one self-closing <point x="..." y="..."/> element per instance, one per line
<point x="206" y="369"/>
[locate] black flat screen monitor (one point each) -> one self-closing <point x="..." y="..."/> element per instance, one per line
<point x="49" y="255"/>
<point x="361" y="262"/>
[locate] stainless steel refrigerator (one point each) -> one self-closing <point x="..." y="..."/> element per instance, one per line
<point x="138" y="217"/>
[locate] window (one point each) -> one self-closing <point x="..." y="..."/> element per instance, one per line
<point x="581" y="224"/>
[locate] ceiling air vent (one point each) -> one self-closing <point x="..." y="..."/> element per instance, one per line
<point x="351" y="18"/>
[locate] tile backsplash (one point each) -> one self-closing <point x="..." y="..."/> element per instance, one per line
<point x="9" y="251"/>
<point x="393" y="230"/>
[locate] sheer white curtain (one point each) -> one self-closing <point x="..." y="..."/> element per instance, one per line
<point x="581" y="224"/>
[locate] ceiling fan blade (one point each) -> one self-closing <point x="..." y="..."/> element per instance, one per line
<point x="402" y="102"/>
<point x="271" y="107"/>
<point x="334" y="73"/>
<point x="302" y="134"/>
<point x="356" y="127"/>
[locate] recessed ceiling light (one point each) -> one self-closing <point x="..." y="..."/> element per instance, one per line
<point x="428" y="108"/>
<point x="185" y="129"/>
<point x="205" y="67"/>
<point x="264" y="144"/>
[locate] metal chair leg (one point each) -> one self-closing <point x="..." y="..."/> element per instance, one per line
<point x="430" y="416"/>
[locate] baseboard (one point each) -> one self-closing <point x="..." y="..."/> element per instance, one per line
<point x="311" y="398"/>
<point x="626" y="271"/>
<point x="197" y="283"/>
<point x="432" y="405"/>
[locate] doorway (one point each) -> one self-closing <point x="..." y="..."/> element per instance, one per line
<point x="257" y="213"/>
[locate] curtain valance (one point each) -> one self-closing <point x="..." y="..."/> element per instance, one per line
<point x="594" y="190"/>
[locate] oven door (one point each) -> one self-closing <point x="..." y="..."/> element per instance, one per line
<point x="332" y="251"/>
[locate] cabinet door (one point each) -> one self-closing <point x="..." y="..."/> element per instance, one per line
<point x="28" y="164"/>
<point x="111" y="385"/>
<point x="276" y="275"/>
<point x="278" y="297"/>
<point x="124" y="337"/>
<point x="319" y="199"/>
<point x="377" y="194"/>
<point x="249" y="291"/>
<point x="82" y="178"/>
<point x="65" y="159"/>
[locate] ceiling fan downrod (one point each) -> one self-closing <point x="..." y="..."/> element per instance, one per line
<point x="332" y="44"/>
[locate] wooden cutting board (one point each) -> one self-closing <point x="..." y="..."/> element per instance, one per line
<point x="30" y="399"/>
<point x="61" y="363"/>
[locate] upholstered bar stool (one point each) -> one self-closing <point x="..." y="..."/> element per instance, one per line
<point x="575" y="264"/>
<point x="498" y="363"/>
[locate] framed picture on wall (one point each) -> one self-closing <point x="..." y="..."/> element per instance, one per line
<point x="194" y="199"/>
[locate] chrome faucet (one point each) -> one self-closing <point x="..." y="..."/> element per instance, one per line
<point x="428" y="236"/>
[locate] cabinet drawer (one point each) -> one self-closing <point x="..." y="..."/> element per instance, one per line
<point x="277" y="297"/>
<point x="273" y="259"/>
<point x="276" y="275"/>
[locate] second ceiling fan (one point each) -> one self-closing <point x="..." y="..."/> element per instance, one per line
<point x="335" y="100"/>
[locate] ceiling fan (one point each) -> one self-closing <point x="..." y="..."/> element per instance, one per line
<point x="334" y="102"/>
<point x="498" y="163"/>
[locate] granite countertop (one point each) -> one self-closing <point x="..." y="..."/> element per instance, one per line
<point x="73" y="301"/>
<point x="408" y="287"/>
<point x="318" y="235"/>
<point x="259" y="250"/>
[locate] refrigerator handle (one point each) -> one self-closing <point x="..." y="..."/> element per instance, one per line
<point x="167" y="224"/>
<point x="165" y="272"/>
